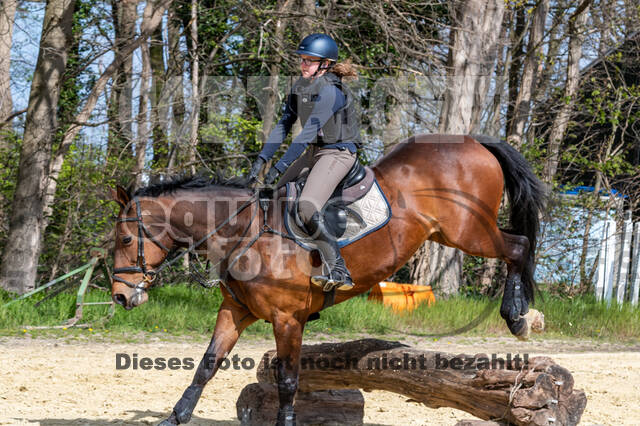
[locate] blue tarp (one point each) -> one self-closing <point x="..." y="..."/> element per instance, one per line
<point x="578" y="189"/>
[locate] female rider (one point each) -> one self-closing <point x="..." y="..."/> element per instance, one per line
<point x="329" y="140"/>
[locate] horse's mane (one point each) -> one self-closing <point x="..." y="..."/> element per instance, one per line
<point x="160" y="186"/>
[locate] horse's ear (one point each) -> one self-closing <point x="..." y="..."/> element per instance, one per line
<point x="120" y="196"/>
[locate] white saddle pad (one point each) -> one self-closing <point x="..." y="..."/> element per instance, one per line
<point x="373" y="208"/>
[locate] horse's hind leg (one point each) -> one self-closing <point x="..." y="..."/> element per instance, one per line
<point x="232" y="320"/>
<point x="491" y="242"/>
<point x="288" y="334"/>
<point x="514" y="300"/>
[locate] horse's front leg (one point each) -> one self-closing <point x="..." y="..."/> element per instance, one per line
<point x="232" y="320"/>
<point x="288" y="334"/>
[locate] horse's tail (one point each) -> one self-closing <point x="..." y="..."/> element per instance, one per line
<point x="526" y="200"/>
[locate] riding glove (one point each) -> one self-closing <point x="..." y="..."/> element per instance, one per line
<point x="271" y="176"/>
<point x="266" y="190"/>
<point x="255" y="170"/>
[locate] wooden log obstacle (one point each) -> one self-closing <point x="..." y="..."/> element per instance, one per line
<point x="521" y="391"/>
<point x="258" y="406"/>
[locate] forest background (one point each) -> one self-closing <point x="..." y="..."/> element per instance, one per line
<point x="94" y="94"/>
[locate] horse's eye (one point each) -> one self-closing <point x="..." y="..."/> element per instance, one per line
<point x="127" y="239"/>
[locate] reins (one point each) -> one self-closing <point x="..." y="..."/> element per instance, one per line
<point x="265" y="229"/>
<point x="149" y="275"/>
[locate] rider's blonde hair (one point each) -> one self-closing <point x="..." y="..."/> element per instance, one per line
<point x="345" y="69"/>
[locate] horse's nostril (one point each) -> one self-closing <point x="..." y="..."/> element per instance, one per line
<point x="120" y="299"/>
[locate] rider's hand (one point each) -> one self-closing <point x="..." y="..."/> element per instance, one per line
<point x="266" y="189"/>
<point x="255" y="170"/>
<point x="271" y="176"/>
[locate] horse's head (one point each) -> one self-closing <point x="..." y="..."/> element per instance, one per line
<point x="141" y="246"/>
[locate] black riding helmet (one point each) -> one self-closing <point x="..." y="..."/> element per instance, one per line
<point x="320" y="45"/>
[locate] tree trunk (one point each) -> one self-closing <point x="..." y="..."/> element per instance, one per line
<point x="472" y="55"/>
<point x="493" y="127"/>
<point x="438" y="266"/>
<point x="152" y="17"/>
<point x="576" y="38"/>
<point x="121" y="110"/>
<point x="486" y="278"/>
<point x="307" y="24"/>
<point x="7" y="16"/>
<point x="528" y="80"/>
<point x="592" y="205"/>
<point x="268" y="118"/>
<point x="158" y="101"/>
<point x="153" y="13"/>
<point x="195" y="84"/>
<point x="605" y="22"/>
<point x="20" y="259"/>
<point x="143" y="112"/>
<point x="35" y="191"/>
<point x="175" y="70"/>
<point x="392" y="105"/>
<point x="547" y="75"/>
<point x="271" y="101"/>
<point x="517" y="52"/>
<point x="70" y="96"/>
<point x="524" y="391"/>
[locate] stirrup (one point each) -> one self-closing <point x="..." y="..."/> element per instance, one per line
<point x="328" y="283"/>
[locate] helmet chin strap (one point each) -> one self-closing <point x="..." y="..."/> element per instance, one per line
<point x="320" y="68"/>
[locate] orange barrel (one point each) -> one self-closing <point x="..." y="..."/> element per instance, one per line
<point x="402" y="297"/>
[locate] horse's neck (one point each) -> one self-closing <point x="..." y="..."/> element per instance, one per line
<point x="195" y="214"/>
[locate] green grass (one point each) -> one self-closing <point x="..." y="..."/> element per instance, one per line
<point x="184" y="309"/>
<point x="178" y="309"/>
<point x="585" y="317"/>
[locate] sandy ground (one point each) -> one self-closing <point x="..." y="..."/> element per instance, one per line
<point x="49" y="382"/>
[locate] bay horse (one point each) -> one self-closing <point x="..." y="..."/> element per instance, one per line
<point x="442" y="188"/>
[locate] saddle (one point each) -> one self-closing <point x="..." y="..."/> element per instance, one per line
<point x="348" y="213"/>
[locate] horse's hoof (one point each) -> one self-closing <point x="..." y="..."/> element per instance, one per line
<point x="166" y="423"/>
<point x="286" y="418"/>
<point x="183" y="417"/>
<point x="518" y="328"/>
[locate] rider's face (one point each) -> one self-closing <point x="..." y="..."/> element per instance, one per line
<point x="309" y="65"/>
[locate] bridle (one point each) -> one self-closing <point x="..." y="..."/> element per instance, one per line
<point x="149" y="275"/>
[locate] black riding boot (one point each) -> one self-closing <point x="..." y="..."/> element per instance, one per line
<point x="338" y="276"/>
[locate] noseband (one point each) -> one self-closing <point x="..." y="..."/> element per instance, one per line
<point x="148" y="275"/>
